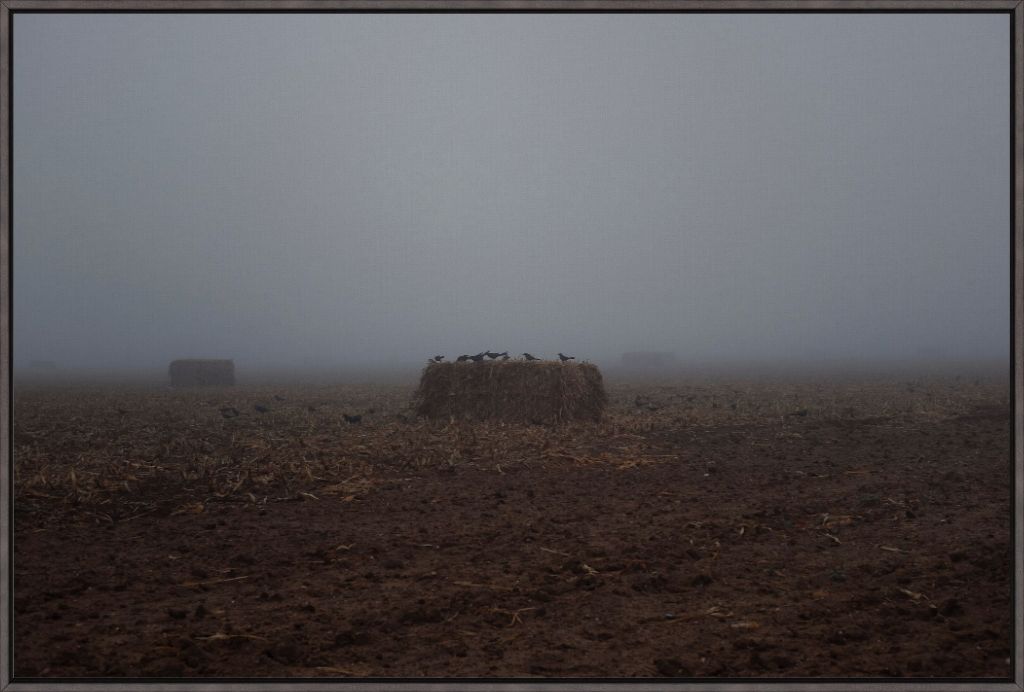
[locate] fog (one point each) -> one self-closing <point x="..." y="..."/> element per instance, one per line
<point x="361" y="190"/>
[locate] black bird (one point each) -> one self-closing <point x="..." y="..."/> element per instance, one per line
<point x="527" y="356"/>
<point x="564" y="357"/>
<point x="490" y="355"/>
<point x="352" y="419"/>
<point x="478" y="357"/>
<point x="261" y="408"/>
<point x="462" y="359"/>
<point x="229" y="412"/>
<point x="437" y="359"/>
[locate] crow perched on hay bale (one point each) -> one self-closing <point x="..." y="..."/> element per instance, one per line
<point x="198" y="372"/>
<point x="512" y="391"/>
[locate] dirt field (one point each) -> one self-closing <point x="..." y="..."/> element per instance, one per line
<point x="842" y="528"/>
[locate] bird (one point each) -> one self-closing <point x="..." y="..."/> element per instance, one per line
<point x="261" y="408"/>
<point x="437" y="359"/>
<point x="229" y="412"/>
<point x="564" y="357"/>
<point x="478" y="357"/>
<point x="462" y="359"/>
<point x="352" y="419"/>
<point x="505" y="357"/>
<point x="490" y="355"/>
<point x="527" y="356"/>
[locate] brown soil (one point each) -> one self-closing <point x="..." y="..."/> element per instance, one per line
<point x="676" y="539"/>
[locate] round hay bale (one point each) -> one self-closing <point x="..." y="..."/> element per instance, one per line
<point x="512" y="391"/>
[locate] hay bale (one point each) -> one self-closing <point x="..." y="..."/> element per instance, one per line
<point x="201" y="372"/>
<point x="512" y="391"/>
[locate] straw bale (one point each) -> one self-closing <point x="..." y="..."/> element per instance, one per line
<point x="200" y="372"/>
<point x="512" y="391"/>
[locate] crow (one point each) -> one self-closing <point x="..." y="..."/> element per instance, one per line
<point x="437" y="359"/>
<point x="478" y="357"/>
<point x="261" y="408"/>
<point x="352" y="419"/>
<point x="462" y="359"/>
<point x="564" y="357"/>
<point x="490" y="355"/>
<point x="527" y="356"/>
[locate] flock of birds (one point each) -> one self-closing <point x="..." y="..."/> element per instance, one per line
<point x="479" y="357"/>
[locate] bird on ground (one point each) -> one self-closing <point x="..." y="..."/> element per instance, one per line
<point x="478" y="357"/>
<point x="490" y="355"/>
<point x="505" y="357"/>
<point x="564" y="357"/>
<point x="437" y="359"/>
<point x="527" y="356"/>
<point x="261" y="408"/>
<point x="352" y="419"/>
<point x="462" y="359"/>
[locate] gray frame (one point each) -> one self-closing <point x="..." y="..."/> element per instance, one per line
<point x="1015" y="8"/>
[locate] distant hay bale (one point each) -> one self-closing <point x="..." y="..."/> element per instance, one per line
<point x="199" y="372"/>
<point x="512" y="391"/>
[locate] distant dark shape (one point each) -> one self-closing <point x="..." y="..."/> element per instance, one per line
<point x="352" y="419"/>
<point x="527" y="356"/>
<point x="229" y="412"/>
<point x="278" y="397"/>
<point x="462" y="359"/>
<point x="437" y="359"/>
<point x="505" y="357"/>
<point x="371" y="411"/>
<point x="478" y="357"/>
<point x="202" y="372"/>
<point x="495" y="356"/>
<point x="261" y="408"/>
<point x="122" y="411"/>
<point x="562" y="357"/>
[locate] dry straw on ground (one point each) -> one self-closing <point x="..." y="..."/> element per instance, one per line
<point x="512" y="391"/>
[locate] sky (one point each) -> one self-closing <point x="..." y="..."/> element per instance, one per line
<point x="313" y="190"/>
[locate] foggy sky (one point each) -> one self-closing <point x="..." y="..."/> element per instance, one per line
<point x="320" y="189"/>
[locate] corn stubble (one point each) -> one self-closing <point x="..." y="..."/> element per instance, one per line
<point x="111" y="454"/>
